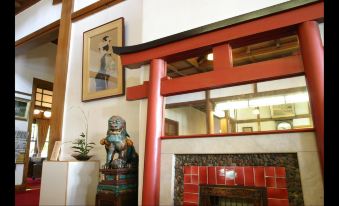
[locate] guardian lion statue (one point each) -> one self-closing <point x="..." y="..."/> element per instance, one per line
<point x="118" y="141"/>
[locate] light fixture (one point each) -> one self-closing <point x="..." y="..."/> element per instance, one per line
<point x="219" y="113"/>
<point x="210" y="57"/>
<point x="232" y="105"/>
<point x="36" y="111"/>
<point x="47" y="114"/>
<point x="266" y="101"/>
<point x="256" y="111"/>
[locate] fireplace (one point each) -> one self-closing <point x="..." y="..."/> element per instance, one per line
<point x="220" y="195"/>
<point x="237" y="179"/>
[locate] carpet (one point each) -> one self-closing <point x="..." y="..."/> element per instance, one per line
<point x="31" y="196"/>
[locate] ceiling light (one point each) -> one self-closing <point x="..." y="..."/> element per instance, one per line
<point x="232" y="105"/>
<point x="266" y="101"/>
<point x="256" y="111"/>
<point x="36" y="111"/>
<point x="299" y="97"/>
<point x="210" y="57"/>
<point x="47" y="114"/>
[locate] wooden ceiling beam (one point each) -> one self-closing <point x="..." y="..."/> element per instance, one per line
<point x="175" y="70"/>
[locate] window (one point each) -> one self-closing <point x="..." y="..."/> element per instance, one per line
<point x="34" y="146"/>
<point x="260" y="106"/>
<point x="43" y="98"/>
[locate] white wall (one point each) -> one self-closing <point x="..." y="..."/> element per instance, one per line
<point x="79" y="4"/>
<point x="162" y="17"/>
<point x="100" y="111"/>
<point x="36" y="17"/>
<point x="39" y="63"/>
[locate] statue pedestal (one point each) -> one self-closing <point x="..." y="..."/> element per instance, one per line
<point x="119" y="187"/>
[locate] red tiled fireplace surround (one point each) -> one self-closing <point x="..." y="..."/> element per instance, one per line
<point x="273" y="178"/>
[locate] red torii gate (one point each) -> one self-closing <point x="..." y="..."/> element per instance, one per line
<point x="288" y="18"/>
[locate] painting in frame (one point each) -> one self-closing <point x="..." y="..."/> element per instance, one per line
<point x="21" y="108"/>
<point x="102" y="72"/>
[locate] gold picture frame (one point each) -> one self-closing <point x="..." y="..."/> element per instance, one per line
<point x="102" y="72"/>
<point x="22" y="108"/>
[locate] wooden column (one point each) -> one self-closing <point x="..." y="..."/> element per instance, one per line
<point x="313" y="59"/>
<point x="209" y="114"/>
<point x="151" y="181"/>
<point x="60" y="74"/>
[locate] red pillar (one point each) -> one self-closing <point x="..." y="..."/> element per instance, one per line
<point x="313" y="58"/>
<point x="151" y="181"/>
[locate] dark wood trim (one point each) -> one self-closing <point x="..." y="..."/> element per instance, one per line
<point x="238" y="134"/>
<point x="93" y="8"/>
<point x="215" y="26"/>
<point x="39" y="33"/>
<point x="26" y="5"/>
<point x="56" y="2"/>
<point x="60" y="74"/>
<point x="20" y="188"/>
<point x="23" y="93"/>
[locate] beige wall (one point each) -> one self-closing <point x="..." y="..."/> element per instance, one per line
<point x="303" y="144"/>
<point x="191" y="120"/>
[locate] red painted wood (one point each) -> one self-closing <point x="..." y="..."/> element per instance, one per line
<point x="222" y="57"/>
<point x="266" y="70"/>
<point x="276" y="21"/>
<point x="137" y="92"/>
<point x="151" y="184"/>
<point x="238" y="134"/>
<point x="283" y="67"/>
<point x="313" y="56"/>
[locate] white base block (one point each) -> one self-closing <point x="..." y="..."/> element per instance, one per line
<point x="69" y="182"/>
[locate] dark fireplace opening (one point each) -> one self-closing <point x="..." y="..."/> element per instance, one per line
<point x="220" y="195"/>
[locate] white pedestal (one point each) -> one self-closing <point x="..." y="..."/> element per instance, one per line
<point x="69" y="182"/>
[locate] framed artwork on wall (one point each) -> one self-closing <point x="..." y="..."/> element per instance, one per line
<point x="21" y="108"/>
<point x="102" y="71"/>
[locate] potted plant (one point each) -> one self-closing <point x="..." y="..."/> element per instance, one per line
<point x="81" y="145"/>
<point x="82" y="148"/>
